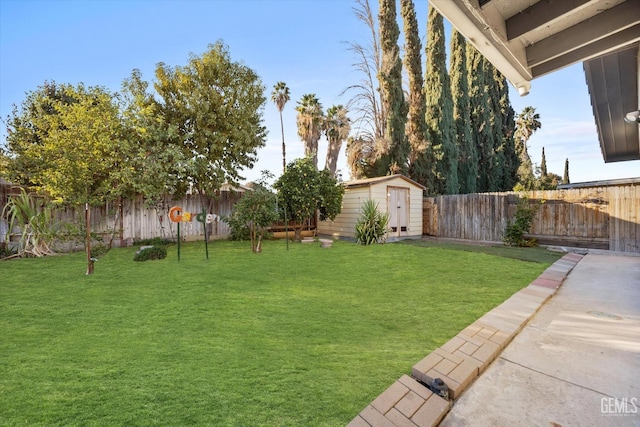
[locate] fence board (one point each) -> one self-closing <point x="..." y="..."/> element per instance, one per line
<point x="600" y="217"/>
<point x="132" y="221"/>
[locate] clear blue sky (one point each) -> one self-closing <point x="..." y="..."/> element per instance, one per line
<point x="301" y="42"/>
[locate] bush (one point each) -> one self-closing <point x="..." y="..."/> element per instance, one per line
<point x="155" y="241"/>
<point x="372" y="224"/>
<point x="99" y="250"/>
<point x="525" y="212"/>
<point x="154" y="252"/>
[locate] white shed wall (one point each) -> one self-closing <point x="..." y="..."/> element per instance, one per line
<point x="345" y="223"/>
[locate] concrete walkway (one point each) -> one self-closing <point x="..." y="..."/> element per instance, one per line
<point x="577" y="361"/>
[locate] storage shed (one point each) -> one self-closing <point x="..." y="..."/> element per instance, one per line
<point x="397" y="195"/>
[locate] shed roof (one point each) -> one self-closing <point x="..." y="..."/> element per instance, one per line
<point x="369" y="181"/>
<point x="604" y="183"/>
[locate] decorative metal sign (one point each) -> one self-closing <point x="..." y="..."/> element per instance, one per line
<point x="177" y="215"/>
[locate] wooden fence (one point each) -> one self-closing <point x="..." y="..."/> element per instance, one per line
<point x="602" y="217"/>
<point x="131" y="220"/>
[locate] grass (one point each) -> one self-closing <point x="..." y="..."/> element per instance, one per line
<point x="305" y="337"/>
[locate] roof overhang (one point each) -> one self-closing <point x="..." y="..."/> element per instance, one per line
<point x="526" y="39"/>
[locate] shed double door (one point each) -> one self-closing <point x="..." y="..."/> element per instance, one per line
<point x="398" y="205"/>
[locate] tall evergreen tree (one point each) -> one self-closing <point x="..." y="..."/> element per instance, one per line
<point x="421" y="159"/>
<point x="543" y="165"/>
<point x="467" y="154"/>
<point x="439" y="114"/>
<point x="495" y="161"/>
<point x="479" y="113"/>
<point x="394" y="145"/>
<point x="565" y="178"/>
<point x="512" y="161"/>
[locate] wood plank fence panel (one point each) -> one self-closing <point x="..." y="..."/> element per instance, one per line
<point x="134" y="221"/>
<point x="606" y="217"/>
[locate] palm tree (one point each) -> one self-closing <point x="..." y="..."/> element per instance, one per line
<point x="309" y="121"/>
<point x="337" y="127"/>
<point x="280" y="96"/>
<point x="527" y="123"/>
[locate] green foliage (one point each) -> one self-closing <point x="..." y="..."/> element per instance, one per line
<point x="6" y="251"/>
<point x="255" y="211"/>
<point x="439" y="112"/>
<point x="154" y="252"/>
<point x="467" y="151"/>
<point x="99" y="250"/>
<point x="214" y="105"/>
<point x="565" y="178"/>
<point x="421" y="157"/>
<point x="372" y="225"/>
<point x="309" y="120"/>
<point x="155" y="241"/>
<point x="394" y="157"/>
<point x="35" y="223"/>
<point x="337" y="127"/>
<point x="157" y="165"/>
<point x="304" y="190"/>
<point x="525" y="213"/>
<point x="280" y="96"/>
<point x="66" y="141"/>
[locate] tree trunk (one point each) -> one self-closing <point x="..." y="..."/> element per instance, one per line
<point x="87" y="215"/>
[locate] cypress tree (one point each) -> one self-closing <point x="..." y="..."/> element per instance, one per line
<point x="439" y="115"/>
<point x="565" y="178"/>
<point x="467" y="154"/>
<point x="495" y="160"/>
<point x="543" y="165"/>
<point x="512" y="161"/>
<point x="478" y="107"/>
<point x="396" y="147"/>
<point x="421" y="158"/>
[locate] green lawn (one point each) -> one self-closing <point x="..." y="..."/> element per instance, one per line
<point x="305" y="337"/>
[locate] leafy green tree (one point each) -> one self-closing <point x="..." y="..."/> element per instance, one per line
<point x="439" y="113"/>
<point x="256" y="210"/>
<point x="393" y="149"/>
<point x="280" y="96"/>
<point x="337" y="127"/>
<point x="421" y="161"/>
<point x="306" y="190"/>
<point x="157" y="164"/>
<point x="215" y="105"/>
<point x="565" y="178"/>
<point x="72" y="139"/>
<point x="467" y="152"/>
<point x="309" y="121"/>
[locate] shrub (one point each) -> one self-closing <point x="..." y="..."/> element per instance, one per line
<point x="99" y="250"/>
<point x="154" y="252"/>
<point x="525" y="212"/>
<point x="371" y="227"/>
<point x="155" y="241"/>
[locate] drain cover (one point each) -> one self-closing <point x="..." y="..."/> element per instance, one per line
<point x="604" y="315"/>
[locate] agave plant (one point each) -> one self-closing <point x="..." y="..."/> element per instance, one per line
<point x="36" y="225"/>
<point x="372" y="225"/>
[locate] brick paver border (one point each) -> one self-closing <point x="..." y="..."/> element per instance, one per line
<point x="408" y="402"/>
